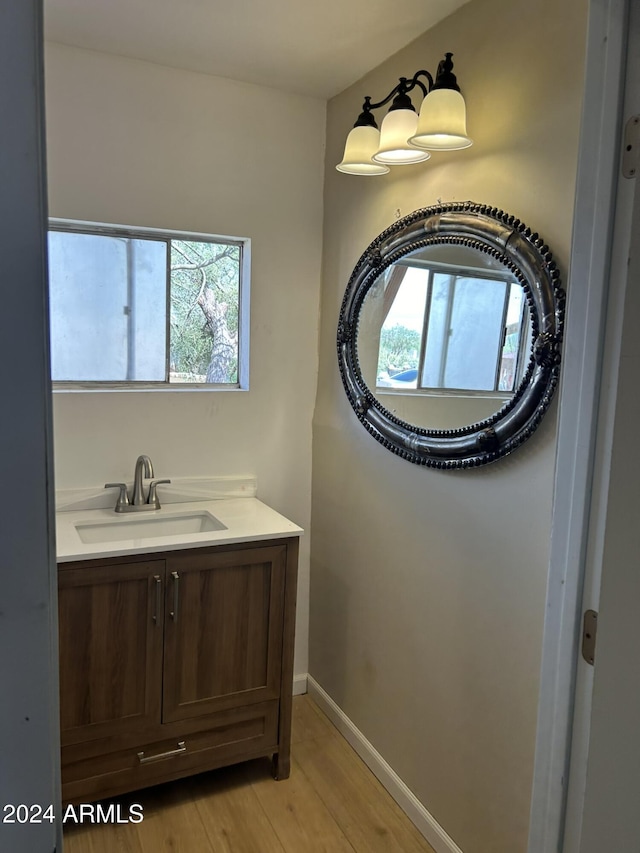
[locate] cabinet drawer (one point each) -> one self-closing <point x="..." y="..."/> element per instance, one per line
<point x="237" y="734"/>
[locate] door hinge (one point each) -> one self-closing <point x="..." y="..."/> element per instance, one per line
<point x="589" y="631"/>
<point x="631" y="148"/>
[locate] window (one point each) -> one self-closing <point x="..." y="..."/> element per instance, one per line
<point x="140" y="307"/>
<point x="451" y="329"/>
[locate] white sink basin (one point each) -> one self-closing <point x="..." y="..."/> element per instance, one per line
<point x="145" y="526"/>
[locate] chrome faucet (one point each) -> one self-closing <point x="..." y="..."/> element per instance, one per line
<point x="138" y="490"/>
<point x="138" y="502"/>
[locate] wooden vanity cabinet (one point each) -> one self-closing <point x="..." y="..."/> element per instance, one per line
<point x="175" y="663"/>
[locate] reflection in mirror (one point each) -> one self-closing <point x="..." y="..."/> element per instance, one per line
<point x="444" y="336"/>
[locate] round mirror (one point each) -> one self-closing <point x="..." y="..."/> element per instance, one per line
<point x="450" y="335"/>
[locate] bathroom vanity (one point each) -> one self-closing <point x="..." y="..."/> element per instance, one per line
<point x="176" y="651"/>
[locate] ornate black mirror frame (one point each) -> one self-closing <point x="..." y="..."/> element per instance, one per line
<point x="495" y="233"/>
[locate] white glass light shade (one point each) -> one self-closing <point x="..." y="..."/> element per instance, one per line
<point x="397" y="127"/>
<point x="361" y="144"/>
<point x="442" y="125"/>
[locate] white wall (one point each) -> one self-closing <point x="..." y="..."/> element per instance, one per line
<point x="140" y="144"/>
<point x="428" y="587"/>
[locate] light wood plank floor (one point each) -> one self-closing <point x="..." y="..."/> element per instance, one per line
<point x="331" y="803"/>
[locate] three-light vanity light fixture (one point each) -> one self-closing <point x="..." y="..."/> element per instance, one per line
<point x="405" y="137"/>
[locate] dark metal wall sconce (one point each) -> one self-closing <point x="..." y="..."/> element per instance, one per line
<point x="405" y="137"/>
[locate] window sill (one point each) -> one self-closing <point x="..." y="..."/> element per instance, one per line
<point x="145" y="387"/>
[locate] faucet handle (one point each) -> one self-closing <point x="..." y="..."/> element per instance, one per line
<point x="123" y="497"/>
<point x="153" y="496"/>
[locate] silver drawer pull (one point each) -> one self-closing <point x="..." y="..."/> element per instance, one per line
<point x="145" y="759"/>
<point x="176" y="580"/>
<point x="158" y="583"/>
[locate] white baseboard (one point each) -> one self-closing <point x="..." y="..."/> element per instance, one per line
<point x="299" y="684"/>
<point x="426" y="824"/>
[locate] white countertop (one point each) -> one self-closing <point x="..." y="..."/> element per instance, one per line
<point x="244" y="520"/>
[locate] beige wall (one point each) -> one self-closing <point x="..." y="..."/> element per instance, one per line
<point x="139" y="144"/>
<point x="427" y="587"/>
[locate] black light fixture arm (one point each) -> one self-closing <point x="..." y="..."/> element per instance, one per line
<point x="403" y="88"/>
<point x="400" y="94"/>
<point x="445" y="79"/>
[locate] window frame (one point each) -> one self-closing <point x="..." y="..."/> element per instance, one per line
<point x="460" y="271"/>
<point x="162" y="234"/>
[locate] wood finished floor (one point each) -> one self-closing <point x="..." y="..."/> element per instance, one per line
<point x="331" y="804"/>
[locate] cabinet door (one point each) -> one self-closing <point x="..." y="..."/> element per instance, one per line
<point x="223" y="630"/>
<point x="110" y="629"/>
